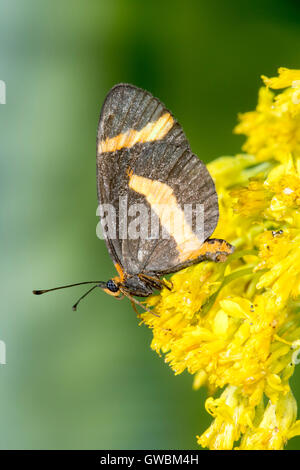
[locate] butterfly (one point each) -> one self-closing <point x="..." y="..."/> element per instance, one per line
<point x="148" y="175"/>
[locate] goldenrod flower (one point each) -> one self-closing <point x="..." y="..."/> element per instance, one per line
<point x="235" y="325"/>
<point x="273" y="129"/>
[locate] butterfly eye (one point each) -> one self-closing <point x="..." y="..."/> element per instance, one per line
<point x="112" y="286"/>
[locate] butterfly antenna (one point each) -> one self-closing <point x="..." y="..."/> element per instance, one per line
<point x="39" y="292"/>
<point x="82" y="297"/>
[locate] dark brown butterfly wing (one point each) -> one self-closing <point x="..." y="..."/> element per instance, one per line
<point x="142" y="156"/>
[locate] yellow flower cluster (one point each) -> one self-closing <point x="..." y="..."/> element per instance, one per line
<point x="235" y="325"/>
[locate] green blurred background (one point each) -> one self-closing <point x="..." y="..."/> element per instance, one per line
<point x="88" y="379"/>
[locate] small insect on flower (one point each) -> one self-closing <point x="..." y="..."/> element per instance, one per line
<point x="144" y="157"/>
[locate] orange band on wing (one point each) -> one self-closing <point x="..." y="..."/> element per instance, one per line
<point x="163" y="202"/>
<point x="211" y="247"/>
<point x="152" y="131"/>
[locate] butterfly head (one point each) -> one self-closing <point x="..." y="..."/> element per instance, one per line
<point x="112" y="286"/>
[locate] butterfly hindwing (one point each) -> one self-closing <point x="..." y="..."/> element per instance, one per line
<point x="169" y="178"/>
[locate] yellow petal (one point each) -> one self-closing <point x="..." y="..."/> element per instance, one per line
<point x="285" y="79"/>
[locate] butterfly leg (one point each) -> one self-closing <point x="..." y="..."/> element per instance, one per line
<point x="134" y="308"/>
<point x="137" y="302"/>
<point x="154" y="282"/>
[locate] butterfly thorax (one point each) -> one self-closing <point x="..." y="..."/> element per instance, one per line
<point x="137" y="285"/>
